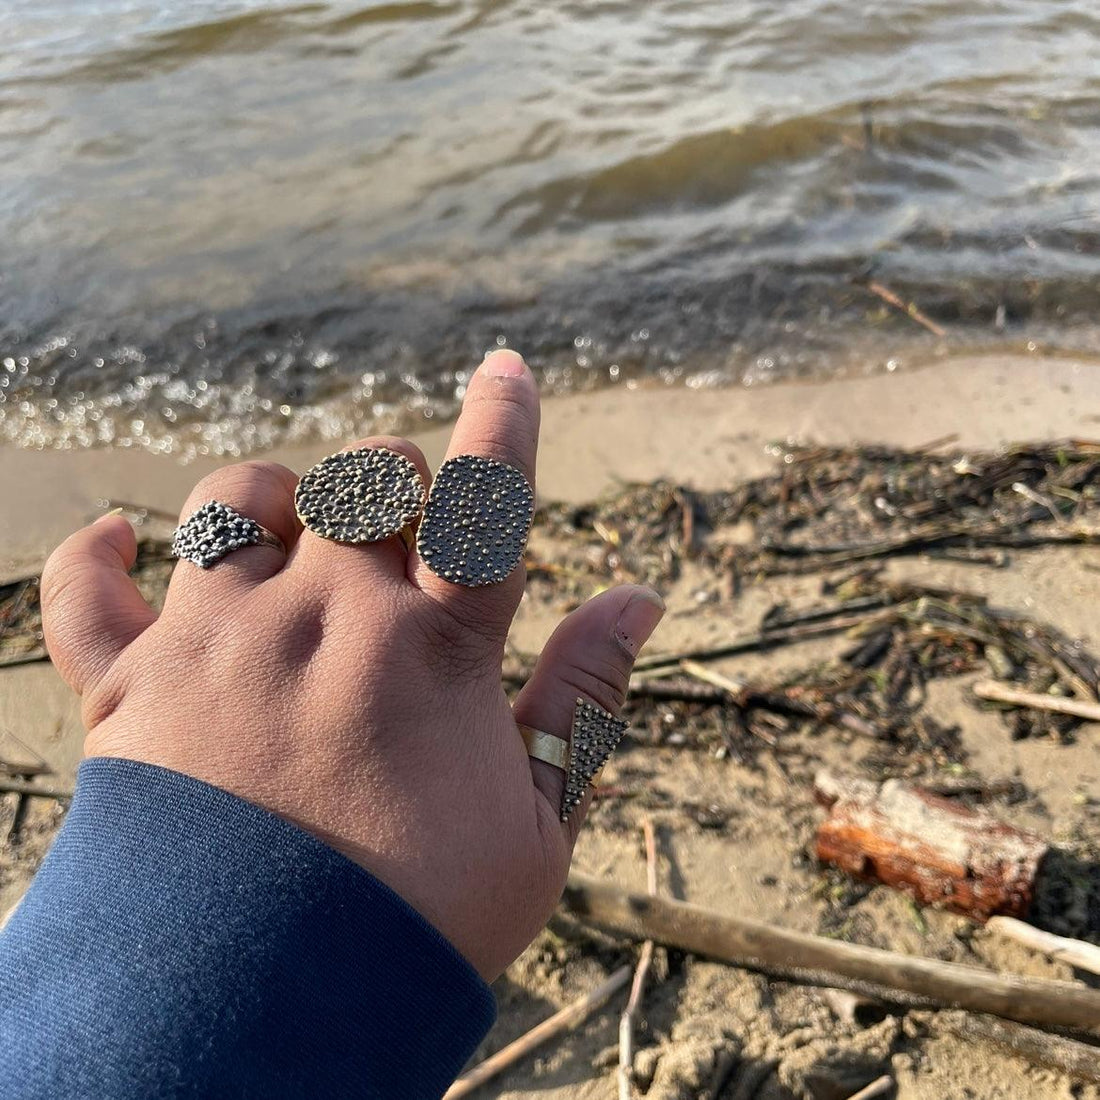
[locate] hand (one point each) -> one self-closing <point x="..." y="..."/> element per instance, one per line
<point x="352" y="691"/>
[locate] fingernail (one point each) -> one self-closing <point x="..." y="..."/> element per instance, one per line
<point x="112" y="512"/>
<point x="503" y="364"/>
<point x="638" y="620"/>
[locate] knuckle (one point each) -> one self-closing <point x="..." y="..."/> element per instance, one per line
<point x="604" y="682"/>
<point x="243" y="477"/>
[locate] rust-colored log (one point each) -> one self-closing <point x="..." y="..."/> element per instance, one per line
<point x="935" y="850"/>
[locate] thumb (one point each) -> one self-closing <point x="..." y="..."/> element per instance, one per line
<point x="91" y="609"/>
<point x="590" y="657"/>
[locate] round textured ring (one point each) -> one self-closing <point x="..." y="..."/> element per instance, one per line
<point x="364" y="495"/>
<point x="215" y="530"/>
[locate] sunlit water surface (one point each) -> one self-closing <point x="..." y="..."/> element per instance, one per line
<point x="228" y="223"/>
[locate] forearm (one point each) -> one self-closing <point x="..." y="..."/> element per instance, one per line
<point x="179" y="941"/>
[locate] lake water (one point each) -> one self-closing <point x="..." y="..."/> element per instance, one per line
<point x="228" y="222"/>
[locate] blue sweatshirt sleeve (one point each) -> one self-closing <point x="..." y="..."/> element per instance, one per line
<point x="181" y="942"/>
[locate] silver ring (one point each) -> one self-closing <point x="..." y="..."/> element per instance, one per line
<point x="361" y="496"/>
<point x="215" y="530"/>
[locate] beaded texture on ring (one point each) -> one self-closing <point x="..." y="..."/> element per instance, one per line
<point x="595" y="736"/>
<point x="363" y="495"/>
<point x="213" y="531"/>
<point x="476" y="521"/>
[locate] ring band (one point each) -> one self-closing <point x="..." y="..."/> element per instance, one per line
<point x="594" y="737"/>
<point x="546" y="747"/>
<point x="215" y="530"/>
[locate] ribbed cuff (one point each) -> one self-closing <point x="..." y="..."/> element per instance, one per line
<point x="179" y="941"/>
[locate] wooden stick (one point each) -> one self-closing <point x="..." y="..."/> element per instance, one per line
<point x="909" y="309"/>
<point x="1059" y="704"/>
<point x="1085" y="956"/>
<point x="710" y="676"/>
<point x="1079" y="1060"/>
<point x="880" y="1086"/>
<point x="17" y="786"/>
<point x="765" y="639"/>
<point x="758" y="946"/>
<point x="561" y="1021"/>
<point x="10" y="767"/>
<point x="645" y="960"/>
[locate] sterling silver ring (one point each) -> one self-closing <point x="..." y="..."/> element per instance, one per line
<point x="215" y="530"/>
<point x="363" y="495"/>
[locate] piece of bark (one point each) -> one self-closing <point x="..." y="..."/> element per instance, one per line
<point x="937" y="851"/>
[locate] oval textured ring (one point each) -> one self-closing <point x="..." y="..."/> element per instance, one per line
<point x="361" y="496"/>
<point x="476" y="521"/>
<point x="215" y="530"/>
<point x="595" y="735"/>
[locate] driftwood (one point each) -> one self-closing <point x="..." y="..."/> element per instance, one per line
<point x="1075" y="1059"/>
<point x="800" y="956"/>
<point x="939" y="852"/>
<point x="567" y="1018"/>
<point x="1058" y="704"/>
<point x="641" y="972"/>
<point x="1085" y="956"/>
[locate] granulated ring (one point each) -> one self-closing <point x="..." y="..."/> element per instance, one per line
<point x="476" y="521"/>
<point x="364" y="495"/>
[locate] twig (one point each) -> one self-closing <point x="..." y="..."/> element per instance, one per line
<point x="17" y="786"/>
<point x="1085" y="956"/>
<point x="715" y="679"/>
<point x="680" y="690"/>
<point x="645" y="960"/>
<point x="880" y="1086"/>
<point x="758" y="946"/>
<point x="1068" y="1056"/>
<point x="13" y="768"/>
<point x="765" y="639"/>
<point x="909" y="309"/>
<point x="1059" y="704"/>
<point x="561" y="1021"/>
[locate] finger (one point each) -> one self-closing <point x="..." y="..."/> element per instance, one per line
<point x="373" y="560"/>
<point x="589" y="656"/>
<point x="91" y="609"/>
<point x="261" y="491"/>
<point x="499" y="421"/>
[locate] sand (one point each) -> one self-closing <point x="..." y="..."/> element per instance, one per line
<point x="755" y="864"/>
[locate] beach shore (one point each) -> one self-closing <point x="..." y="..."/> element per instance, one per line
<point x="707" y="439"/>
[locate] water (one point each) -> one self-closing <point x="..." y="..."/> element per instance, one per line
<point x="229" y="222"/>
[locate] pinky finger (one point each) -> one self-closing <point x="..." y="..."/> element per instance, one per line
<point x="91" y="609"/>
